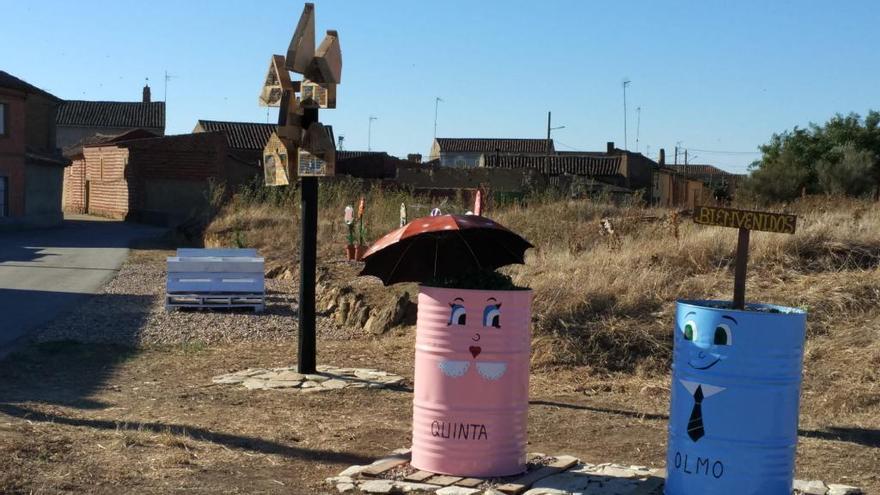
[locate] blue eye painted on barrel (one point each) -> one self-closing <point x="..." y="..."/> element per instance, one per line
<point x="723" y="335"/>
<point x="492" y="314"/>
<point x="457" y="315"/>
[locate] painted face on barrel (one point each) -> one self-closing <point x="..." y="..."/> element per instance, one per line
<point x="709" y="336"/>
<point x="477" y="320"/>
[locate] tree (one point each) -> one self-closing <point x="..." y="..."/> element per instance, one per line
<point x="846" y="175"/>
<point x="840" y="157"/>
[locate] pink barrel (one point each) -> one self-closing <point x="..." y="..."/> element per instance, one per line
<point x="471" y="381"/>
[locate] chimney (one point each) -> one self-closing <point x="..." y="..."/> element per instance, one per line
<point x="146" y="93"/>
<point x="414" y="157"/>
<point x="662" y="159"/>
<point x="610" y="147"/>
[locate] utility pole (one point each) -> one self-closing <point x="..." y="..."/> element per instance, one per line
<point x="625" y="84"/>
<point x="370" y="133"/>
<point x="551" y="129"/>
<point x="685" y="156"/>
<point x="638" y="125"/>
<point x="437" y="101"/>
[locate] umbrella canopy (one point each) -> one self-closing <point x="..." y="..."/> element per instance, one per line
<point x="443" y="246"/>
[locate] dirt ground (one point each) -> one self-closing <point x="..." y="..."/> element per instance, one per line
<point x="99" y="418"/>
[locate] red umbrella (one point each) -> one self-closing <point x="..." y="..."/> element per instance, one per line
<point x="443" y="246"/>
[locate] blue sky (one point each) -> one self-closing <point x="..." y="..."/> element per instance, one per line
<point x="713" y="75"/>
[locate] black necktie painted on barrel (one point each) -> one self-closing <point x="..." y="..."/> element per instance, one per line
<point x="695" y="423"/>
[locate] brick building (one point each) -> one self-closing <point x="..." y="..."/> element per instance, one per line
<point x="31" y="167"/>
<point x="470" y="152"/>
<point x="245" y="140"/>
<point x="79" y="119"/>
<point x="620" y="168"/>
<point x="162" y="180"/>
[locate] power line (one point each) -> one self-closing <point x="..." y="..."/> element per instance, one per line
<point x="727" y="152"/>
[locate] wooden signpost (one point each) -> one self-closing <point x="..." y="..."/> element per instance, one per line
<point x="745" y="221"/>
<point x="303" y="147"/>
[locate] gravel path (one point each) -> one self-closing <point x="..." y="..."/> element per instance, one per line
<point x="130" y="311"/>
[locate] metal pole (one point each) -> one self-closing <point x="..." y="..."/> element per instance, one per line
<point x="306" y="361"/>
<point x="307" y="341"/>
<point x="370" y="133"/>
<point x="437" y="101"/>
<point x="548" y="133"/>
<point x="625" y="84"/>
<point x="638" y="126"/>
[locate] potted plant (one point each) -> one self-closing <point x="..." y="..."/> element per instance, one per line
<point x="471" y="381"/>
<point x="349" y="225"/>
<point x="736" y="377"/>
<point x="361" y="247"/>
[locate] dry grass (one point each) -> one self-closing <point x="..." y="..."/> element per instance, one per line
<point x="608" y="303"/>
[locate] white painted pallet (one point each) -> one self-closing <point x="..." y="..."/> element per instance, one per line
<point x="211" y="278"/>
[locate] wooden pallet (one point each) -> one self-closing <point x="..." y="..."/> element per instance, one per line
<point x="214" y="301"/>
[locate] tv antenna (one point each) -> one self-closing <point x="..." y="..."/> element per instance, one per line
<point x="370" y="133"/>
<point x="626" y="82"/>
<point x="168" y="77"/>
<point x="437" y="102"/>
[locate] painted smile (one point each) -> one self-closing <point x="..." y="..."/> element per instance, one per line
<point x="713" y="363"/>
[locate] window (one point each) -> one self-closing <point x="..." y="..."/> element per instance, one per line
<point x="2" y="119"/>
<point x="3" y="196"/>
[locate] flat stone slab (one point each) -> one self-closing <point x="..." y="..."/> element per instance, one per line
<point x="546" y="475"/>
<point x="326" y="378"/>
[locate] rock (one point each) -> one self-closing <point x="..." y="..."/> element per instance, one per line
<point x="345" y="487"/>
<point x="546" y="491"/>
<point x="352" y="471"/>
<point x="339" y="479"/>
<point x="406" y="487"/>
<point x="334" y="384"/>
<point x="389" y="316"/>
<point x="228" y="379"/>
<point x="618" y="472"/>
<point x="456" y="490"/>
<point x="282" y="384"/>
<point x="814" y="487"/>
<point x="568" y="481"/>
<point x="317" y="378"/>
<point x="360" y="317"/>
<point x="342" y="310"/>
<point x="492" y="491"/>
<point x="254" y="384"/>
<point x="377" y="486"/>
<point x="835" y="489"/>
<point x="309" y="384"/>
<point x="288" y="375"/>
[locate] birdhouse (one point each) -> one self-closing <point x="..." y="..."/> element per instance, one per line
<point x="317" y="156"/>
<point x="276" y="161"/>
<point x="318" y="95"/>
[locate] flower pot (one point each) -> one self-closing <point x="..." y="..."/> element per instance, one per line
<point x="736" y="377"/>
<point x="350" y="251"/>
<point x="471" y="381"/>
<point x="359" y="251"/>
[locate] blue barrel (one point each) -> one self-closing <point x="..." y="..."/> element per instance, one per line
<point x="736" y="378"/>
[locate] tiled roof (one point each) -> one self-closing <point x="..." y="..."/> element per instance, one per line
<point x="348" y="155"/>
<point x="240" y="135"/>
<point x="122" y="114"/>
<point x="490" y="145"/>
<point x="560" y="164"/>
<point x="203" y="141"/>
<point x="7" y="80"/>
<point x="698" y="170"/>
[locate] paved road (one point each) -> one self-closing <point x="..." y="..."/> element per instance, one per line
<point x="45" y="272"/>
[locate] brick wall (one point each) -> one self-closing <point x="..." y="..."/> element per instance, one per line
<point x="75" y="187"/>
<point x="106" y="184"/>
